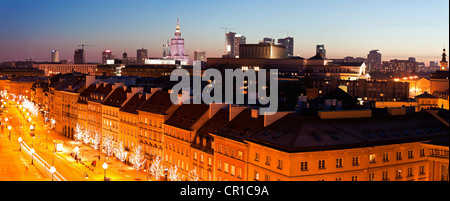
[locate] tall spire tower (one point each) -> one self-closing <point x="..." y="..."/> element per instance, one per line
<point x="444" y="63"/>
<point x="177" y="45"/>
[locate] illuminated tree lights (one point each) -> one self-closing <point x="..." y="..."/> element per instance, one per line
<point x="156" y="168"/>
<point x="137" y="159"/>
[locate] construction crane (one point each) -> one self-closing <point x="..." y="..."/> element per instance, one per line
<point x="82" y="46"/>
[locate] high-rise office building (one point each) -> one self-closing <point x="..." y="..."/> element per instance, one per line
<point x="55" y="56"/>
<point x="320" y="49"/>
<point x="141" y="55"/>
<point x="106" y="55"/>
<point x="434" y="65"/>
<point x="199" y="55"/>
<point x="374" y="61"/>
<point x="79" y="58"/>
<point x="288" y="42"/>
<point x="232" y="46"/>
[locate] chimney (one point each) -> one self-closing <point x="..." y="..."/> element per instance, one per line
<point x="214" y="108"/>
<point x="269" y="119"/>
<point x="153" y="90"/>
<point x="235" y="110"/>
<point x="117" y="85"/>
<point x="255" y="113"/>
<point x="147" y="96"/>
<point x="90" y="79"/>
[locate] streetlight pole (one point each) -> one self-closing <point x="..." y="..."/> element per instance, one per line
<point x="9" y="136"/>
<point x="105" y="166"/>
<point x="32" y="152"/>
<point x="20" y="141"/>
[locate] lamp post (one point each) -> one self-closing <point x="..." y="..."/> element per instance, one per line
<point x="76" y="152"/>
<point x="52" y="170"/>
<point x="20" y="141"/>
<point x="32" y="152"/>
<point x="105" y="166"/>
<point x="9" y="128"/>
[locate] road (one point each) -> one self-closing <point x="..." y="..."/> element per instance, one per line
<point x="42" y="143"/>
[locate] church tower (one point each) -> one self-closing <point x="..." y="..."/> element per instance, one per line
<point x="444" y="63"/>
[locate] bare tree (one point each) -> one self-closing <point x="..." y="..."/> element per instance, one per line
<point x="108" y="145"/>
<point x="96" y="138"/>
<point x="121" y="154"/>
<point x="137" y="159"/>
<point x="173" y="174"/>
<point x="156" y="168"/>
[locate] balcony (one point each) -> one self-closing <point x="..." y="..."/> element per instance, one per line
<point x="438" y="153"/>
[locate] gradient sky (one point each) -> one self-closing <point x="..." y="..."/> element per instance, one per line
<point x="399" y="28"/>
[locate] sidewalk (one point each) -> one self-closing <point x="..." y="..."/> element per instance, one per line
<point x="116" y="171"/>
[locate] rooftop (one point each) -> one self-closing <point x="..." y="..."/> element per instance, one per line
<point x="187" y="115"/>
<point x="295" y="133"/>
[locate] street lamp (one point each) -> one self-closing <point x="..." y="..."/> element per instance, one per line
<point x="105" y="166"/>
<point x="20" y="141"/>
<point x="76" y="152"/>
<point x="9" y="128"/>
<point x="52" y="170"/>
<point x="32" y="152"/>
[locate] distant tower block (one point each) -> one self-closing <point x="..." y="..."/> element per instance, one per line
<point x="55" y="56"/>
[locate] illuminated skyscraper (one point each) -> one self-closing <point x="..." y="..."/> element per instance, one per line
<point x="106" y="55"/>
<point x="233" y="41"/>
<point x="55" y="56"/>
<point x="177" y="46"/>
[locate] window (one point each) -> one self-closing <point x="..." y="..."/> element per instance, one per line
<point x="239" y="175"/>
<point x="355" y="178"/>
<point x="209" y="161"/>
<point x="410" y="154"/>
<point x="240" y="155"/>
<point x="422" y="169"/>
<point x="385" y="157"/>
<point x="303" y="166"/>
<point x="339" y="162"/>
<point x="385" y="176"/>
<point x="225" y="168"/>
<point x="256" y="156"/>
<point x="321" y="164"/>
<point x="372" y="176"/>
<point x="372" y="158"/>
<point x="233" y="170"/>
<point x="267" y="160"/>
<point x="410" y="172"/>
<point x="220" y="166"/>
<point x="398" y="174"/>
<point x="422" y="152"/>
<point x="256" y="175"/>
<point x="280" y="164"/>
<point x="355" y="161"/>
<point x="399" y="155"/>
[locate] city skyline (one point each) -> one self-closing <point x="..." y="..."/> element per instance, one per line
<point x="399" y="29"/>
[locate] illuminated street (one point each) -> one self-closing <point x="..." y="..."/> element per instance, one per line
<point x="16" y="166"/>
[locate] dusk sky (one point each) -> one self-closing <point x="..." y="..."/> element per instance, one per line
<point x="399" y="29"/>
